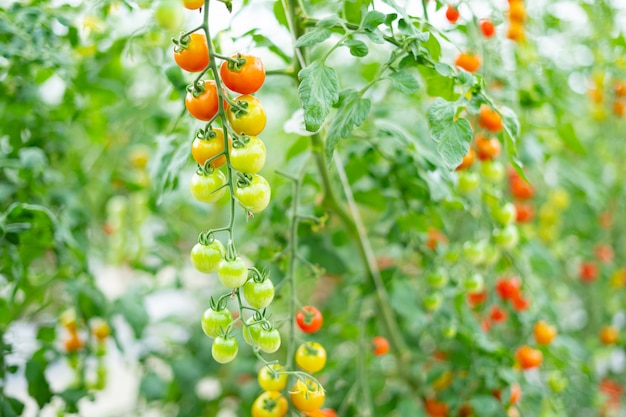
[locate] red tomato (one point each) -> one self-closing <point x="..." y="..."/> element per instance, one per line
<point x="309" y="319"/>
<point x="508" y="288"/>
<point x="497" y="314"/>
<point x="588" y="271"/>
<point x="487" y="28"/>
<point x="381" y="345"/>
<point x="489" y="119"/>
<point x="524" y="212"/>
<point x="452" y="14"/>
<point x="246" y="78"/>
<point x="476" y="298"/>
<point x="435" y="408"/>
<point x="520" y="303"/>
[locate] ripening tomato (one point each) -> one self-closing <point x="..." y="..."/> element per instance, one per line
<point x="520" y="303"/>
<point x="73" y="344"/>
<point x="528" y="357"/>
<point x="435" y="408"/>
<point x="215" y="322"/>
<point x="203" y="149"/>
<point x="311" y="357"/>
<point x="244" y="78"/>
<point x="224" y="349"/>
<point x="68" y="320"/>
<point x="476" y="298"/>
<point x="203" y="105"/>
<point x="497" y="314"/>
<point x="326" y="412"/>
<point x="435" y="237"/>
<point x="524" y="212"/>
<point x="516" y="32"/>
<point x="515" y="394"/>
<point x="206" y="258"/>
<point x="487" y="148"/>
<point x="248" y="156"/>
<point x="271" y="379"/>
<point x="270" y="404"/>
<point x="100" y="329"/>
<point x="619" y="108"/>
<point x="452" y="14"/>
<point x="588" y="271"/>
<point x="268" y="340"/>
<point x="309" y="319"/>
<point x="489" y="119"/>
<point x="604" y="253"/>
<point x="307" y="395"/>
<point x="250" y="119"/>
<point x="232" y="273"/>
<point x="620" y="88"/>
<point x="520" y="189"/>
<point x="259" y="294"/>
<point x="609" y="335"/>
<point x="517" y="11"/>
<point x="468" y="160"/>
<point x="468" y="62"/>
<point x="544" y="333"/>
<point x="487" y="28"/>
<point x="254" y="196"/>
<point x="380" y="345"/>
<point x="193" y="4"/>
<point x="193" y="54"/>
<point x="208" y="188"/>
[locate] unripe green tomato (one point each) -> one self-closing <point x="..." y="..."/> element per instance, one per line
<point x="492" y="255"/>
<point x="450" y="331"/>
<point x="468" y="182"/>
<point x="224" y="349"/>
<point x="169" y="15"/>
<point x="215" y="322"/>
<point x="504" y="214"/>
<point x="432" y="301"/>
<point x="474" y="252"/>
<point x="259" y="294"/>
<point x="232" y="274"/>
<point x="548" y="215"/>
<point x="207" y="258"/>
<point x="269" y="340"/>
<point x="556" y="381"/>
<point x="208" y="188"/>
<point x="474" y="283"/>
<point x="506" y="238"/>
<point x="492" y="171"/>
<point x="437" y="279"/>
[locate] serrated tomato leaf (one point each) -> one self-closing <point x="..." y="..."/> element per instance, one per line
<point x="452" y="136"/>
<point x="318" y="91"/>
<point x="352" y="111"/>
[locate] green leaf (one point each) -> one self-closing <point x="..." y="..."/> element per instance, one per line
<point x="404" y="82"/>
<point x="486" y="405"/>
<point x="170" y="157"/>
<point x="46" y="334"/>
<point x="568" y="135"/>
<point x="152" y="387"/>
<point x="175" y="76"/>
<point x="11" y="407"/>
<point x="357" y="48"/>
<point x="318" y="91"/>
<point x="407" y="407"/>
<point x="279" y="13"/>
<point x="131" y="306"/>
<point x="5" y="313"/>
<point x="452" y="136"/>
<point x="38" y="386"/>
<point x="72" y="396"/>
<point x="353" y="10"/>
<point x="510" y="122"/>
<point x="373" y="19"/>
<point x="313" y="37"/>
<point x="437" y="85"/>
<point x="353" y="110"/>
<point x="330" y="22"/>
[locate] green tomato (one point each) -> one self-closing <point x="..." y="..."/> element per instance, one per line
<point x="224" y="349"/>
<point x="214" y="322"/>
<point x="207" y="258"/>
<point x="492" y="255"/>
<point x="506" y="238"/>
<point x="492" y="171"/>
<point x="474" y="252"/>
<point x="203" y="187"/>
<point x="450" y="331"/>
<point x="474" y="283"/>
<point x="468" y="182"/>
<point x="249" y="158"/>
<point x="251" y="332"/>
<point x="259" y="294"/>
<point x="556" y="381"/>
<point x="255" y="196"/>
<point x="437" y="279"/>
<point x="232" y="274"/>
<point x="432" y="301"/>
<point x="504" y="214"/>
<point x="269" y="340"/>
<point x="169" y="15"/>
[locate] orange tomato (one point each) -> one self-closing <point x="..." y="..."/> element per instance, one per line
<point x="73" y="344"/>
<point x="519" y="302"/>
<point x="193" y="4"/>
<point x="194" y="55"/>
<point x="520" y="189"/>
<point x="497" y="314"/>
<point x="588" y="271"/>
<point x="487" y="148"/>
<point x="487" y="28"/>
<point x="205" y="105"/>
<point x="544" y="333"/>
<point x="468" y="159"/>
<point x="517" y="11"/>
<point x="476" y="298"/>
<point x="468" y="62"/>
<point x="620" y="88"/>
<point x="489" y="119"/>
<point x="435" y="408"/>
<point x="516" y="394"/>
<point x="604" y="253"/>
<point x="609" y="335"/>
<point x="528" y="357"/>
<point x="596" y="95"/>
<point x="434" y="238"/>
<point x="516" y="32"/>
<point x="204" y="149"/>
<point x="524" y="212"/>
<point x="381" y="345"/>
<point x="619" y="108"/>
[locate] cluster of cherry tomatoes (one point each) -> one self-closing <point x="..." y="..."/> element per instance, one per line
<point x="517" y="16"/>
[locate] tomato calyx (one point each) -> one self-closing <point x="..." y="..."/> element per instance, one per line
<point x="236" y="64"/>
<point x="241" y="141"/>
<point x="239" y="108"/>
<point x="244" y="180"/>
<point x="196" y="89"/>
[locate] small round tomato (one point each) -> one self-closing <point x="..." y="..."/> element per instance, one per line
<point x="251" y="331"/>
<point x="203" y="105"/>
<point x="528" y="357"/>
<point x="206" y="258"/>
<point x="468" y="182"/>
<point x="380" y="345"/>
<point x="224" y="349"/>
<point x="504" y="214"/>
<point x="271" y="379"/>
<point x="468" y="160"/>
<point x="193" y="4"/>
<point x="259" y="294"/>
<point x="268" y="340"/>
<point x="507" y="237"/>
<point x="208" y="188"/>
<point x="233" y="273"/>
<point x="100" y="329"/>
<point x="468" y="62"/>
<point x="487" y="28"/>
<point x="73" y="344"/>
<point x="309" y="319"/>
<point x="215" y="322"/>
<point x="311" y="357"/>
<point x="452" y="14"/>
<point x="489" y="119"/>
<point x="193" y="54"/>
<point x="520" y="303"/>
<point x="493" y="171"/>
<point x="438" y="278"/>
<point x="520" y="188"/>
<point x="524" y="212"/>
<point x="250" y="119"/>
<point x="254" y="196"/>
<point x="249" y="155"/>
<point x="476" y="298"/>
<point x="203" y="149"/>
<point x="609" y="335"/>
<point x="270" y="404"/>
<point x="307" y="395"/>
<point x="517" y="11"/>
<point x="243" y="78"/>
<point x="497" y="314"/>
<point x="588" y="271"/>
<point x="169" y="16"/>
<point x="435" y="408"/>
<point x="68" y="320"/>
<point x="432" y="301"/>
<point x="508" y="288"/>
<point x="487" y="148"/>
<point x="544" y="332"/>
<point x="474" y="283"/>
